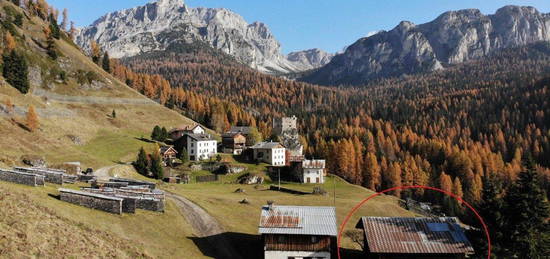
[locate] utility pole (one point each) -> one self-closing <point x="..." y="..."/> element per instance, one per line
<point x="279" y="171"/>
<point x="334" y="188"/>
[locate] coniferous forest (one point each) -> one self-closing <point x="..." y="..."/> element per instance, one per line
<point x="480" y="130"/>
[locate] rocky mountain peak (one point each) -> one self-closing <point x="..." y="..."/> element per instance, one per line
<point x="452" y="38"/>
<point x="312" y="57"/>
<point x="459" y="16"/>
<point x="157" y="25"/>
<point x="405" y="26"/>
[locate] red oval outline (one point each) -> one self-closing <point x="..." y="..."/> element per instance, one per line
<point x="414" y="187"/>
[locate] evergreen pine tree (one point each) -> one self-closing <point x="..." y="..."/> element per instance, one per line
<point x="163" y="134"/>
<point x="113" y="114"/>
<point x="492" y="211"/>
<point x="106" y="64"/>
<point x="156" y="134"/>
<point x="526" y="226"/>
<point x="141" y="163"/>
<point x="50" y="43"/>
<point x="15" y="71"/>
<point x="56" y="32"/>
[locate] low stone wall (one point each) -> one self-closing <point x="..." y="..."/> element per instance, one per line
<point x="22" y="178"/>
<point x="86" y="178"/>
<point x="150" y="204"/>
<point x="51" y="176"/>
<point x="128" y="204"/>
<point x="92" y="200"/>
<point x="137" y="188"/>
<point x="115" y="184"/>
<point x="144" y="201"/>
<point x="132" y="182"/>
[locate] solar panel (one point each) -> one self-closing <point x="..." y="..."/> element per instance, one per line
<point x="438" y="227"/>
<point x="458" y="235"/>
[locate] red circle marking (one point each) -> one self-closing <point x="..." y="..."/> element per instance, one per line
<point x="414" y="187"/>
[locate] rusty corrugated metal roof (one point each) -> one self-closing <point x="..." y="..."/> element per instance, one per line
<point x="313" y="164"/>
<point x="415" y="235"/>
<point x="298" y="220"/>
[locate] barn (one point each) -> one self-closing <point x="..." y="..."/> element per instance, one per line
<point x="400" y="238"/>
<point x="298" y="232"/>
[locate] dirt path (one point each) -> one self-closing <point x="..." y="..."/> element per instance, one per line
<point x="205" y="226"/>
<point x="103" y="173"/>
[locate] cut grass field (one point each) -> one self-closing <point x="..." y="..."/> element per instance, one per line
<point x="35" y="224"/>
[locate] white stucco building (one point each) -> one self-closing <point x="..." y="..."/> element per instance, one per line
<point x="201" y="146"/>
<point x="272" y="153"/>
<point x="313" y="171"/>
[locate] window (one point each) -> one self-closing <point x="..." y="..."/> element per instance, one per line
<point x="313" y="239"/>
<point x="281" y="239"/>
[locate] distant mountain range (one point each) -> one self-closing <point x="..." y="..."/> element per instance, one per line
<point x="159" y="24"/>
<point x="454" y="37"/>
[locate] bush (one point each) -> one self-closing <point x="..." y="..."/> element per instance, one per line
<point x="18" y="20"/>
<point x="15" y="71"/>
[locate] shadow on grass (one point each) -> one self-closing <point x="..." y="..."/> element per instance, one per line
<point x="351" y="253"/>
<point x="248" y="246"/>
<point x="145" y="140"/>
<point x="55" y="196"/>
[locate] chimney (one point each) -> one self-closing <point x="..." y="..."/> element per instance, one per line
<point x="270" y="205"/>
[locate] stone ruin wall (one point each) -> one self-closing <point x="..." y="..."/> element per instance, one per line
<point x="93" y="201"/>
<point x="22" y="178"/>
<point x="51" y="176"/>
<point x="144" y="201"/>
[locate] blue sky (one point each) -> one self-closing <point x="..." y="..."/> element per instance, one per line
<point x="305" y="24"/>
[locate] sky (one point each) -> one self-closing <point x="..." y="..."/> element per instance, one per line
<point x="304" y="24"/>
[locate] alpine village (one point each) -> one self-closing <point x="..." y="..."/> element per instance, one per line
<point x="170" y="131"/>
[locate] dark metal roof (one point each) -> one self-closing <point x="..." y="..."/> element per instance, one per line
<point x="200" y="137"/>
<point x="267" y="145"/>
<point x="240" y="129"/>
<point x="415" y="235"/>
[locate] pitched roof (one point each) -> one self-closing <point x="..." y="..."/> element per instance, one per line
<point x="415" y="235"/>
<point x="241" y="129"/>
<point x="313" y="164"/>
<point x="267" y="145"/>
<point x="231" y="134"/>
<point x="185" y="128"/>
<point x="163" y="149"/>
<point x="200" y="137"/>
<point x="298" y="220"/>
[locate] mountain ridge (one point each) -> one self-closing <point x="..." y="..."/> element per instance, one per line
<point x="452" y="38"/>
<point x="156" y="25"/>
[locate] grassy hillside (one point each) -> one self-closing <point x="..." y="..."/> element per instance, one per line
<point x="79" y="108"/>
<point x="27" y="211"/>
